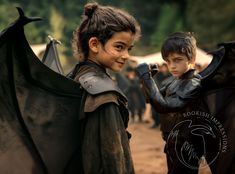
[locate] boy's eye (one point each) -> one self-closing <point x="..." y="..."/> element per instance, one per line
<point x="177" y="60"/>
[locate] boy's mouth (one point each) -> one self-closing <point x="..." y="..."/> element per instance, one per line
<point x="174" y="72"/>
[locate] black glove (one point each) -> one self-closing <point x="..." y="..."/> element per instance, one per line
<point x="153" y="69"/>
<point x="146" y="70"/>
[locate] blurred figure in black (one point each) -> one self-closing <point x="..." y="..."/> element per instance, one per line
<point x="136" y="100"/>
<point x="160" y="79"/>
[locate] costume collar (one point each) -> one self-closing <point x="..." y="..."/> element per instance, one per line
<point x="189" y="74"/>
<point x="93" y="64"/>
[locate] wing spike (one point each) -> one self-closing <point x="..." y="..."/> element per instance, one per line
<point x="25" y="20"/>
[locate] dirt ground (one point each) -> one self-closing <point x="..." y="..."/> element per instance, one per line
<point x="147" y="149"/>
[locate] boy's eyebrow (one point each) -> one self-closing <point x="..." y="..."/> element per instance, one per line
<point x="175" y="57"/>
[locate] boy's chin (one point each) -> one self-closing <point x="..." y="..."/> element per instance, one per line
<point x="176" y="75"/>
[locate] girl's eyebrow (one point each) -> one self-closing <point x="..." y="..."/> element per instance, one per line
<point x="131" y="46"/>
<point x="123" y="43"/>
<point x="120" y="42"/>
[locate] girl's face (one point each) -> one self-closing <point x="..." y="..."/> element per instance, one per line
<point x="115" y="52"/>
<point x="178" y="64"/>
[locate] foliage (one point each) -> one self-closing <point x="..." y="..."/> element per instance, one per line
<point x="169" y="21"/>
<point x="211" y="20"/>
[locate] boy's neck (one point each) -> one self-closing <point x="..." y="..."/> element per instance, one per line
<point x="187" y="74"/>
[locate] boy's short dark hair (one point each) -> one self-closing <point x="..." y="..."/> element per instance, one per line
<point x="181" y="43"/>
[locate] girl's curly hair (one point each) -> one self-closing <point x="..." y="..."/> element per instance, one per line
<point x="101" y="22"/>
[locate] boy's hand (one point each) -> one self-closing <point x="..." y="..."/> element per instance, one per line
<point x="153" y="69"/>
<point x="142" y="69"/>
<point x="146" y="70"/>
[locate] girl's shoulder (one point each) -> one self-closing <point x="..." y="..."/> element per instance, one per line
<point x="100" y="88"/>
<point x="92" y="102"/>
<point x="96" y="82"/>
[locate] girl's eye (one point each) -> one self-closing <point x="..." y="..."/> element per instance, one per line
<point x="120" y="47"/>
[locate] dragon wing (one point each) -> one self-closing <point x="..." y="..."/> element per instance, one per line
<point x="39" y="118"/>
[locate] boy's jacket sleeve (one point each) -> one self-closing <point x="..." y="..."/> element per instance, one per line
<point x="38" y="110"/>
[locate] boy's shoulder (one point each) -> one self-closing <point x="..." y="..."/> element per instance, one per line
<point x="190" y="87"/>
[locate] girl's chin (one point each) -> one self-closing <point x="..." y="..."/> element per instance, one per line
<point x="116" y="69"/>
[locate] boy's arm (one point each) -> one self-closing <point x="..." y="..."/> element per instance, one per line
<point x="166" y="104"/>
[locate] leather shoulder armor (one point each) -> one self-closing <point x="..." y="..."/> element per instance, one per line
<point x="98" y="82"/>
<point x="190" y="88"/>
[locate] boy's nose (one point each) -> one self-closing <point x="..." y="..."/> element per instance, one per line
<point x="172" y="66"/>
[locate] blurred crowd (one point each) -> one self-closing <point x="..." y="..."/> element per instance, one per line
<point x="130" y="85"/>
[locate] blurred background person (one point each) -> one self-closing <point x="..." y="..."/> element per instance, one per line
<point x="159" y="78"/>
<point x="136" y="100"/>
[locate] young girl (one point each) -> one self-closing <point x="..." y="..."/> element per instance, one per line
<point x="178" y="96"/>
<point x="103" y="41"/>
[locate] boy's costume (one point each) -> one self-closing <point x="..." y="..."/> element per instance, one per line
<point x="197" y="107"/>
<point x="41" y="119"/>
<point x="175" y="98"/>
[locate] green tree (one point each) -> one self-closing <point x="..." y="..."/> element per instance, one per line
<point x="170" y="20"/>
<point x="212" y="21"/>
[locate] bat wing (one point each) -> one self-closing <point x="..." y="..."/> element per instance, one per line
<point x="39" y="118"/>
<point x="221" y="71"/>
<point x="51" y="56"/>
<point x="218" y="91"/>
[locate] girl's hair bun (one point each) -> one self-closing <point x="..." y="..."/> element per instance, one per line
<point x="90" y="8"/>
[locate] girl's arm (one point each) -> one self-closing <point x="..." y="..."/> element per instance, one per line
<point x="106" y="147"/>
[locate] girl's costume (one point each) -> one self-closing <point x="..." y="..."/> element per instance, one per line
<point x="104" y="119"/>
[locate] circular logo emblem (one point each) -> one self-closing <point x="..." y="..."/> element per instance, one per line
<point x="199" y="136"/>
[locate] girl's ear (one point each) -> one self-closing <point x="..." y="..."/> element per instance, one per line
<point x="93" y="44"/>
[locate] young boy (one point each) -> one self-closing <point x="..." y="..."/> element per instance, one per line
<point x="178" y="96"/>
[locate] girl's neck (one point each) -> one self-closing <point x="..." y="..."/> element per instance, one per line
<point x="90" y="61"/>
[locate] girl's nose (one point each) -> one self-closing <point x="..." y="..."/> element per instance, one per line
<point x="125" y="55"/>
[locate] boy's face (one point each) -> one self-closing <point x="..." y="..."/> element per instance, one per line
<point x="115" y="52"/>
<point x="178" y="64"/>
